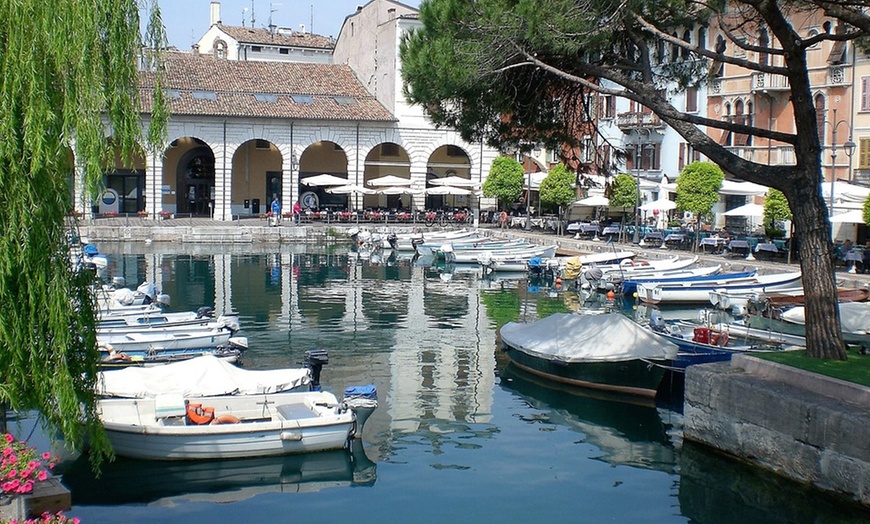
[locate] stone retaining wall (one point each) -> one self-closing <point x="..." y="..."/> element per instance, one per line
<point x="800" y="425"/>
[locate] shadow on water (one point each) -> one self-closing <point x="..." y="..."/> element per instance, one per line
<point x="128" y="481"/>
<point x="628" y="430"/>
<point x="715" y="489"/>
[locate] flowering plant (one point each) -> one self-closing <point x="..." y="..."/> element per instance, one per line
<point x="20" y="467"/>
<point x="50" y="518"/>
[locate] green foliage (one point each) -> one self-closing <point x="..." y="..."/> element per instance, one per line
<point x="698" y="188"/>
<point x="558" y="187"/>
<point x="65" y="66"/>
<point x="623" y="191"/>
<point x="505" y="180"/>
<point x="866" y="211"/>
<point x="776" y="209"/>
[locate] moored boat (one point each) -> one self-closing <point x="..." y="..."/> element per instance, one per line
<point x="699" y="292"/>
<point x="604" y="351"/>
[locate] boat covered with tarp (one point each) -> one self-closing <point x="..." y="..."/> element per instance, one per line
<point x="602" y="351"/>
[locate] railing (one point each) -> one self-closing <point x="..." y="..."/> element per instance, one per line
<point x="637" y="119"/>
<point x="770" y="82"/>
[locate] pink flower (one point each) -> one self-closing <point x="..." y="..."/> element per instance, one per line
<point x="46" y="456"/>
<point x="9" y="438"/>
<point x="42" y="475"/>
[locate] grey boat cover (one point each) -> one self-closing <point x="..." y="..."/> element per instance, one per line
<point x="854" y="317"/>
<point x="572" y="337"/>
<point x="198" y="377"/>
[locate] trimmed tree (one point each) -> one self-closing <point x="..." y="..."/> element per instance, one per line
<point x="775" y="210"/>
<point x="69" y="68"/>
<point x="624" y="193"/>
<point x="698" y="190"/>
<point x="505" y="181"/>
<point x="557" y="189"/>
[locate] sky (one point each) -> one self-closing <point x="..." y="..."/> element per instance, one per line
<point x="187" y="20"/>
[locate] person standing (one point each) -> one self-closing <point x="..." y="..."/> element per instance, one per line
<point x="276" y="211"/>
<point x="297" y="210"/>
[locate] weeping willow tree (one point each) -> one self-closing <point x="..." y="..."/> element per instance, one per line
<point x="68" y="72"/>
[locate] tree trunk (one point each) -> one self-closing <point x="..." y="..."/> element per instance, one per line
<point x="824" y="339"/>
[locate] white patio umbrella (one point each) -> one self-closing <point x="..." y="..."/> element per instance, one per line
<point x="593" y="201"/>
<point x="395" y="190"/>
<point x="448" y="190"/>
<point x="850" y="217"/>
<point x="389" y="180"/>
<point x="350" y="189"/>
<point x="662" y="204"/>
<point x="453" y="181"/>
<point x="324" y="180"/>
<point x="746" y="210"/>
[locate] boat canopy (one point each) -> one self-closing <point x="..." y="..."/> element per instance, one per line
<point x="204" y="376"/>
<point x="571" y="337"/>
<point x="854" y="316"/>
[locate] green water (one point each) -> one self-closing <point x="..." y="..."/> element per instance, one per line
<point x="459" y="434"/>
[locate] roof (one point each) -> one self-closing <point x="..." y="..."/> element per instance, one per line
<point x="251" y="35"/>
<point x="199" y="84"/>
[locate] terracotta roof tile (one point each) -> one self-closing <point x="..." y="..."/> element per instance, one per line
<point x="251" y="35"/>
<point x="235" y="84"/>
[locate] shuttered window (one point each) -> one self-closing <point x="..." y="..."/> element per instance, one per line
<point x="864" y="153"/>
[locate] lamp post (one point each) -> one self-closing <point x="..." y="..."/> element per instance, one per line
<point x="848" y="147"/>
<point x="636" y="237"/>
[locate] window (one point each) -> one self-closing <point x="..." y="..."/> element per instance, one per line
<point x="820" y="117"/>
<point x="262" y="144"/>
<point x="302" y="99"/>
<point x="554" y="156"/>
<point x="455" y="151"/>
<point x="389" y="149"/>
<point x="607" y="109"/>
<point x="702" y="38"/>
<point x="687" y="38"/>
<point x="265" y="97"/>
<point x="256" y="49"/>
<point x="763" y="41"/>
<point x="344" y="100"/>
<point x="691" y="99"/>
<point x="173" y="94"/>
<point x="204" y="95"/>
<point x="864" y="153"/>
<point x="587" y="153"/>
<point x="284" y="51"/>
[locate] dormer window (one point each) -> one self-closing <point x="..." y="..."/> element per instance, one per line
<point x="220" y="49"/>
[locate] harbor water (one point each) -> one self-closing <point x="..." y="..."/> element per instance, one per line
<point x="460" y="435"/>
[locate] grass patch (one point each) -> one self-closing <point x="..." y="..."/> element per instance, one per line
<point x="856" y="369"/>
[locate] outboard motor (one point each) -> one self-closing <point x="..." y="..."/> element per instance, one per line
<point x="119" y="282"/>
<point x="416" y="241"/>
<point x="149" y="290"/>
<point x="393" y="240"/>
<point x="204" y="312"/>
<point x="362" y="400"/>
<point x="315" y="359"/>
<point x="657" y="321"/>
<point x="536" y="266"/>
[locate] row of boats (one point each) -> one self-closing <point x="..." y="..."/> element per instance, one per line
<point x="608" y="350"/>
<point x="169" y="387"/>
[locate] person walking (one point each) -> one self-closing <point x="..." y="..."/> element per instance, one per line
<point x="276" y="211"/>
<point x="297" y="210"/>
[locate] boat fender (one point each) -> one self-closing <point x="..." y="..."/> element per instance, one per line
<point x="226" y="419"/>
<point x="197" y="414"/>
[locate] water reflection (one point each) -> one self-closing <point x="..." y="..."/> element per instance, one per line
<point x="128" y="481"/>
<point x="627" y="430"/>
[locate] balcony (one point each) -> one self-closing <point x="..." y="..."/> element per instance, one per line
<point x="764" y="82"/>
<point x="628" y="122"/>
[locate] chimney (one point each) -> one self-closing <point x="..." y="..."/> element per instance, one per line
<point x="195" y="49"/>
<point x="215" y="13"/>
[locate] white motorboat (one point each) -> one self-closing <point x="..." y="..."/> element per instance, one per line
<point x="147" y="324"/>
<point x="156" y="316"/>
<point x="433" y="241"/>
<point x="174" y="427"/>
<point x="699" y="291"/>
<point x="472" y="255"/>
<point x="514" y="261"/>
<point x="116" y="297"/>
<point x="157" y="340"/>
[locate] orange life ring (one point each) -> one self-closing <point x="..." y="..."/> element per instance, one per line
<point x="199" y="415"/>
<point x="226" y="419"/>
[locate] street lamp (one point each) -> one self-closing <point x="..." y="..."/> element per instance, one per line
<point x="848" y="147"/>
<point x="636" y="238"/>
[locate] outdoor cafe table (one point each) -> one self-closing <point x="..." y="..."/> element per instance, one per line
<point x="717" y="243"/>
<point x="654" y="237"/>
<point x="675" y="239"/>
<point x="767" y="247"/>
<point x="739" y="245"/>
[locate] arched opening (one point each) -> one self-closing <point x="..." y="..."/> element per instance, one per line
<point x="449" y="161"/>
<point x="319" y="158"/>
<point x="257" y="177"/>
<point x="388" y="159"/>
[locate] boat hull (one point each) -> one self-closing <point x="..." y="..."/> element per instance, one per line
<point x="633" y="377"/>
